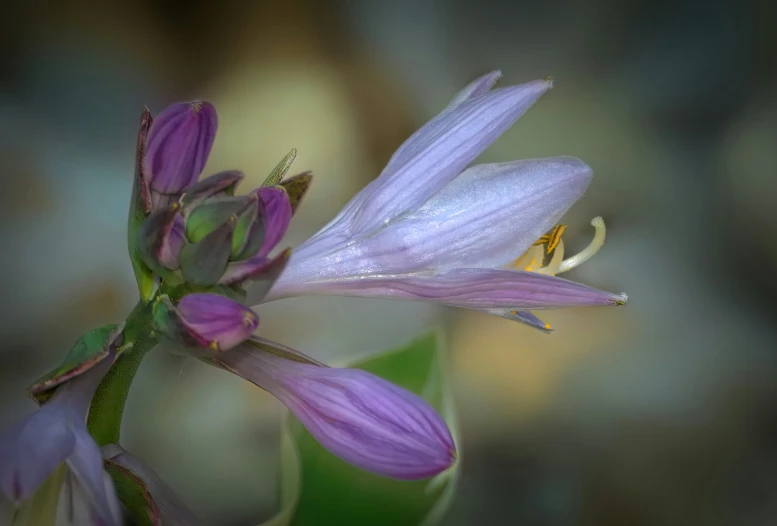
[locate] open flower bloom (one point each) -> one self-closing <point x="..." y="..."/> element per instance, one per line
<point x="431" y="229"/>
<point x="359" y="417"/>
<point x="56" y="434"/>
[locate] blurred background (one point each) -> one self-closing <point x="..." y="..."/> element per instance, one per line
<point x="660" y="413"/>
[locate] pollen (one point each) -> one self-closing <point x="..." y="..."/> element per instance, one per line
<point x="547" y="326"/>
<point x="214" y="346"/>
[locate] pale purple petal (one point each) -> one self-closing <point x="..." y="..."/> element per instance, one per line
<point x="172" y="244"/>
<point x="277" y="216"/>
<point x="477" y="87"/>
<point x="172" y="510"/>
<point x="217" y="319"/>
<point x="485" y="218"/>
<point x="32" y="450"/>
<point x="428" y="160"/>
<point x="359" y="417"/>
<point x="479" y="289"/>
<point x="86" y="465"/>
<point x="178" y="146"/>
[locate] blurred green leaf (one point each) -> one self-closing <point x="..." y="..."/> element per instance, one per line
<point x="319" y="488"/>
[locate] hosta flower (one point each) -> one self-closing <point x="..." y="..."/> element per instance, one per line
<point x="55" y="434"/>
<point x="431" y="229"/>
<point x="359" y="417"/>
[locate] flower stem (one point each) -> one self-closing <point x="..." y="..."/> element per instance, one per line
<point x="107" y="407"/>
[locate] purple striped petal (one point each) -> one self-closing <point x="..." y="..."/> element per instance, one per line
<point x="171" y="509"/>
<point x="220" y="321"/>
<point x="178" y="146"/>
<point x="431" y="158"/>
<point x="277" y="216"/>
<point x="481" y="289"/>
<point x="477" y="87"/>
<point x="486" y="217"/>
<point x="359" y="417"/>
<point x="172" y="244"/>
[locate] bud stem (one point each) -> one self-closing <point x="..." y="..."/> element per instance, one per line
<point x="107" y="407"/>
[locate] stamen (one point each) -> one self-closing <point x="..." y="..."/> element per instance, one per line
<point x="589" y="251"/>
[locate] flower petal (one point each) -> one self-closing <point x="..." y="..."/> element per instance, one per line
<point x="480" y="289"/>
<point x="262" y="272"/>
<point x="171" y="509"/>
<point x="178" y="146"/>
<point x="430" y="159"/>
<point x="477" y="87"/>
<point x="32" y="450"/>
<point x="359" y="417"/>
<point x="486" y="217"/>
<point x="220" y="321"/>
<point x="277" y="216"/>
<point x="86" y="465"/>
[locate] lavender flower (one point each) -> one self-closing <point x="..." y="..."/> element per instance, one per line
<point x="359" y="417"/>
<point x="32" y="450"/>
<point x="426" y="230"/>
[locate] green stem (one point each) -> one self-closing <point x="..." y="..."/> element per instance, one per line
<point x="107" y="408"/>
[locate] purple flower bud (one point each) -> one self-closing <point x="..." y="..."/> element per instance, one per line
<point x="277" y="216"/>
<point x="178" y="146"/>
<point x="205" y="320"/>
<point x="359" y="417"/>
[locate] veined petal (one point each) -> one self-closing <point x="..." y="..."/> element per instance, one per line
<point x="32" y="450"/>
<point x="277" y="216"/>
<point x="178" y="146"/>
<point x="477" y="87"/>
<point x="486" y="217"/>
<point x="86" y="465"/>
<point x="431" y="158"/>
<point x="221" y="322"/>
<point x="170" y="508"/>
<point x="480" y="289"/>
<point x="359" y="417"/>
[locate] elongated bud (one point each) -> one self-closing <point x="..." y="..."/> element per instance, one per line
<point x="204" y="320"/>
<point x="359" y="417"/>
<point x="178" y="146"/>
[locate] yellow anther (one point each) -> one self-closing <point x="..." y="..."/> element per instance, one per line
<point x="214" y="346"/>
<point x="547" y="326"/>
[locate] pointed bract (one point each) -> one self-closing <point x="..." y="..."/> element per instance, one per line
<point x="359" y="417"/>
<point x="279" y="171"/>
<point x="296" y="187"/>
<point x="178" y="146"/>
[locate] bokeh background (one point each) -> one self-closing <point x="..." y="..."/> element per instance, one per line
<point x="660" y="413"/>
